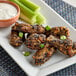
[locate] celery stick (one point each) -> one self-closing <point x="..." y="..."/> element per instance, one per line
<point x="40" y="19"/>
<point x="26" y="11"/>
<point x="30" y="5"/>
<point x="25" y="18"/>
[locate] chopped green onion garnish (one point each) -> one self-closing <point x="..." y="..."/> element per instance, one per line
<point x="27" y="53"/>
<point x="47" y="28"/>
<point x="20" y="34"/>
<point x="42" y="45"/>
<point x="63" y="37"/>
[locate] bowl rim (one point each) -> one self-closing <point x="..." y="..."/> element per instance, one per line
<point x="16" y="6"/>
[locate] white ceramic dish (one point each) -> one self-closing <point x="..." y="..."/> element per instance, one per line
<point x="57" y="61"/>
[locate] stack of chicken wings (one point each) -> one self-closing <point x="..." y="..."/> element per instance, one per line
<point x="46" y="42"/>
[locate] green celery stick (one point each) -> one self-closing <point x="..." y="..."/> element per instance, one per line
<point x="26" y="11"/>
<point x="40" y="19"/>
<point x="30" y="5"/>
<point x="25" y="18"/>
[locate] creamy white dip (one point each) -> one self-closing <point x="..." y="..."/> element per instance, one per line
<point x="7" y="11"/>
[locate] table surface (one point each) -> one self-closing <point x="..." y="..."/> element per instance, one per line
<point x="9" y="68"/>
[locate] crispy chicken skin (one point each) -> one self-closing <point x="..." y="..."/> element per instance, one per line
<point x="15" y="40"/>
<point x="27" y="28"/>
<point x="64" y="46"/>
<point x="34" y="41"/>
<point x="58" y="31"/>
<point x="74" y="47"/>
<point x="43" y="55"/>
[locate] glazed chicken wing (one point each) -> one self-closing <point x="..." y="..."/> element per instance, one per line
<point x="58" y="31"/>
<point x="34" y="41"/>
<point x="27" y="28"/>
<point x="74" y="47"/>
<point x="64" y="46"/>
<point x="15" y="40"/>
<point x="42" y="55"/>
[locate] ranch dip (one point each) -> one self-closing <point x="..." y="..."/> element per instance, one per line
<point x="7" y="11"/>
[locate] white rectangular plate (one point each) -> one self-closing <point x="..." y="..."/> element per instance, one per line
<point x="57" y="61"/>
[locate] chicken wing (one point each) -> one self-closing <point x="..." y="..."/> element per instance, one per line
<point x="15" y="40"/>
<point x="43" y="55"/>
<point x="34" y="41"/>
<point x="64" y="46"/>
<point x="58" y="31"/>
<point x="27" y="28"/>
